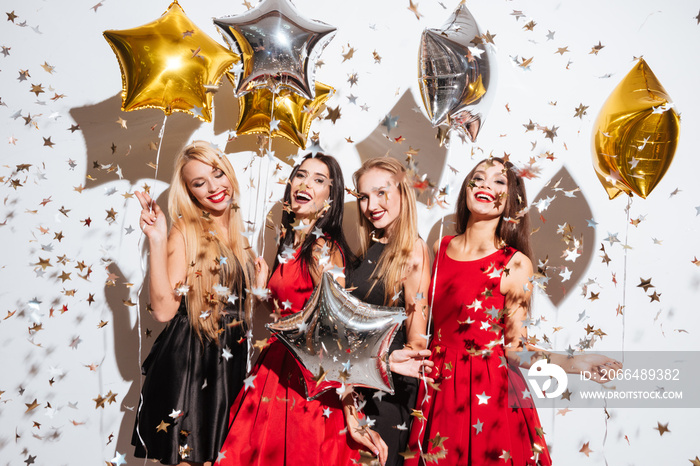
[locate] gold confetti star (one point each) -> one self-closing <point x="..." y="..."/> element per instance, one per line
<point x="333" y="114"/>
<point x="580" y="111"/>
<point x="48" y="68"/>
<point x="662" y="428"/>
<point x="99" y="402"/>
<point x="37" y="89"/>
<point x="348" y="55"/>
<point x="47" y="142"/>
<point x="31" y="406"/>
<point x="526" y="62"/>
<point x="596" y="49"/>
<point x="111" y="215"/>
<point x="585" y="449"/>
<point x="413" y="7"/>
<point x="438" y="441"/>
<point x="645" y="284"/>
<point x="488" y="37"/>
<point x="43" y="263"/>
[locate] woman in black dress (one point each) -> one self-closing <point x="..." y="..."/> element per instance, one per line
<point x="197" y="364"/>
<point x="393" y="270"/>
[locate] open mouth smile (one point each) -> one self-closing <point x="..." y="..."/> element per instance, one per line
<point x="216" y="198"/>
<point x="483" y="196"/>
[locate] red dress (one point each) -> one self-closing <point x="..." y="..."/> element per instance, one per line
<point x="272" y="423"/>
<point x="479" y="415"/>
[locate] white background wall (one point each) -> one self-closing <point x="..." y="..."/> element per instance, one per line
<point x="59" y="351"/>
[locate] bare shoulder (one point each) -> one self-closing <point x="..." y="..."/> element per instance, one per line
<point x="420" y="248"/>
<point x="436" y="245"/>
<point x="520" y="263"/>
<point x="418" y="254"/>
<point x="517" y="275"/>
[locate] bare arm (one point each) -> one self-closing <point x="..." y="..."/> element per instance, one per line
<point x="326" y="256"/>
<point x="415" y="289"/>
<point x="167" y="261"/>
<point x="517" y="288"/>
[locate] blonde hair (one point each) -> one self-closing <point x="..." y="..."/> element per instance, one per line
<point x="212" y="259"/>
<point x="392" y="264"/>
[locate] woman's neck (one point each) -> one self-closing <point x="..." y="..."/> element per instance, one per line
<point x="480" y="235"/>
<point x="304" y="228"/>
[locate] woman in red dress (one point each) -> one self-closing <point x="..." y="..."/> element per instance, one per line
<point x="478" y="412"/>
<point x="271" y="422"/>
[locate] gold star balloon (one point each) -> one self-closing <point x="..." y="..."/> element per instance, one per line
<point x="635" y="135"/>
<point x="292" y="115"/>
<point x="169" y="64"/>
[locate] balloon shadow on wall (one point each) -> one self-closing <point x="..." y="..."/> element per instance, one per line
<point x="112" y="149"/>
<point x="417" y="133"/>
<point x="556" y="231"/>
<point x="351" y="225"/>
<point x="126" y="351"/>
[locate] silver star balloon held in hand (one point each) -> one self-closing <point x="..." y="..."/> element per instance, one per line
<point x="279" y="47"/>
<point x="338" y="339"/>
<point x="456" y="70"/>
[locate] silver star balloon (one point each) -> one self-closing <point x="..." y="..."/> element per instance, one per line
<point x="456" y="69"/>
<point x="338" y="339"/>
<point x="279" y="47"/>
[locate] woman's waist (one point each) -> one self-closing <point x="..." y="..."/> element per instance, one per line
<point x="467" y="347"/>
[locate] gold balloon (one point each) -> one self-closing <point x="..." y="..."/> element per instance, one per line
<point x="635" y="135"/>
<point x="293" y="113"/>
<point x="170" y="64"/>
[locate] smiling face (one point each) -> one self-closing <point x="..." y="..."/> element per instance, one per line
<point x="486" y="193"/>
<point x="310" y="188"/>
<point x="380" y="200"/>
<point x="208" y="185"/>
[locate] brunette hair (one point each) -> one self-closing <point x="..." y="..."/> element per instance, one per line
<point x="514" y="225"/>
<point x="329" y="222"/>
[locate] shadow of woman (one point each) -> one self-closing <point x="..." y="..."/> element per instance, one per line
<point x="132" y="344"/>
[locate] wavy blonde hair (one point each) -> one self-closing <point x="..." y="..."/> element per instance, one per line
<point x="392" y="264"/>
<point x="212" y="259"/>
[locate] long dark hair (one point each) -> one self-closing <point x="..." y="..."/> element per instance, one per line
<point x="514" y="225"/>
<point x="330" y="222"/>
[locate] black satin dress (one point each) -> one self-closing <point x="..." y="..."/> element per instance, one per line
<point x="189" y="387"/>
<point x="391" y="413"/>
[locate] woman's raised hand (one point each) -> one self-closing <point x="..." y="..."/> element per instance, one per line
<point x="152" y="221"/>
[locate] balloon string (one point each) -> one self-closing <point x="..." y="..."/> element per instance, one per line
<point x="160" y="144"/>
<point x="267" y="170"/>
<point x="421" y="432"/>
<point x="140" y="290"/>
<point x="624" y="277"/>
